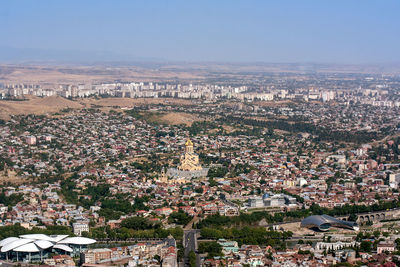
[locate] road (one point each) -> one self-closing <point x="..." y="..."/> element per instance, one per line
<point x="190" y="244"/>
<point x="190" y="224"/>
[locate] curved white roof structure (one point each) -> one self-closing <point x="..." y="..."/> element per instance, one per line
<point x="78" y="241"/>
<point x="8" y="240"/>
<point x="58" y="238"/>
<point x="38" y="237"/>
<point x="63" y="247"/>
<point x="15" y="244"/>
<point x="30" y="247"/>
<point x="38" y="242"/>
<point x="43" y="244"/>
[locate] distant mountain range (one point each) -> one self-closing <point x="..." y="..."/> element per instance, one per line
<point x="37" y="55"/>
<point x="11" y="55"/>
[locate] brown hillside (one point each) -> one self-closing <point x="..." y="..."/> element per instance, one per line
<point x="176" y="118"/>
<point x="35" y="105"/>
<point x="55" y="101"/>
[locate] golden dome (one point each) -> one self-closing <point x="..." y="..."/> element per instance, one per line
<point x="188" y="143"/>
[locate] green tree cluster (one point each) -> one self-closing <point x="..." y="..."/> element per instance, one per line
<point x="248" y="235"/>
<point x="254" y="217"/>
<point x="10" y="200"/>
<point x="139" y="223"/>
<point x="213" y="249"/>
<point x="124" y="233"/>
<point x="217" y="172"/>
<point x="180" y="217"/>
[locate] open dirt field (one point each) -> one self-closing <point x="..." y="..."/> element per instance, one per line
<point x="176" y="118"/>
<point x="11" y="177"/>
<point x="53" y="75"/>
<point x="52" y="104"/>
<point x="296" y="229"/>
<point x="35" y="105"/>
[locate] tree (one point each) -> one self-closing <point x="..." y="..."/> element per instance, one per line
<point x="385" y="234"/>
<point x="138" y="223"/>
<point x="212" y="248"/>
<point x="192" y="259"/>
<point x="212" y="182"/>
<point x="199" y="190"/>
<point x="179" y="217"/>
<point x="353" y="217"/>
<point x="10" y="200"/>
<point x="376" y="233"/>
<point x="217" y="172"/>
<point x="366" y="246"/>
<point x="397" y="241"/>
<point x="157" y="258"/>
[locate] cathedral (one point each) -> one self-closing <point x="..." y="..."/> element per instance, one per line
<point x="189" y="160"/>
<point x="188" y="168"/>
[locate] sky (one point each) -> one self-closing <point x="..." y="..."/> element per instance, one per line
<point x="337" y="31"/>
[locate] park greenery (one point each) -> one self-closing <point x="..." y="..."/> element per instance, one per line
<point x="201" y="127"/>
<point x="232" y="171"/>
<point x="134" y="227"/>
<point x="213" y="249"/>
<point x="298" y="126"/>
<point x="112" y="206"/>
<point x="255" y="217"/>
<point x="139" y="223"/>
<point x="135" y="114"/>
<point x="4" y="161"/>
<point x="248" y="235"/>
<point x="180" y="217"/>
<point x="130" y="228"/>
<point x="124" y="233"/>
<point x="192" y="259"/>
<point x="217" y="172"/>
<point x="10" y="200"/>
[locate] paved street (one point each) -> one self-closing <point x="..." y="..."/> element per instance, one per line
<point x="190" y="244"/>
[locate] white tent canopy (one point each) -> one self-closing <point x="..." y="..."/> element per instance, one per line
<point x="38" y="242"/>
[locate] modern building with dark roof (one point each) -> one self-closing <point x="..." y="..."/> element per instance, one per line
<point x="325" y="222"/>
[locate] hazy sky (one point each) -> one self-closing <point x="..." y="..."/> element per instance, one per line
<point x="348" y="31"/>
